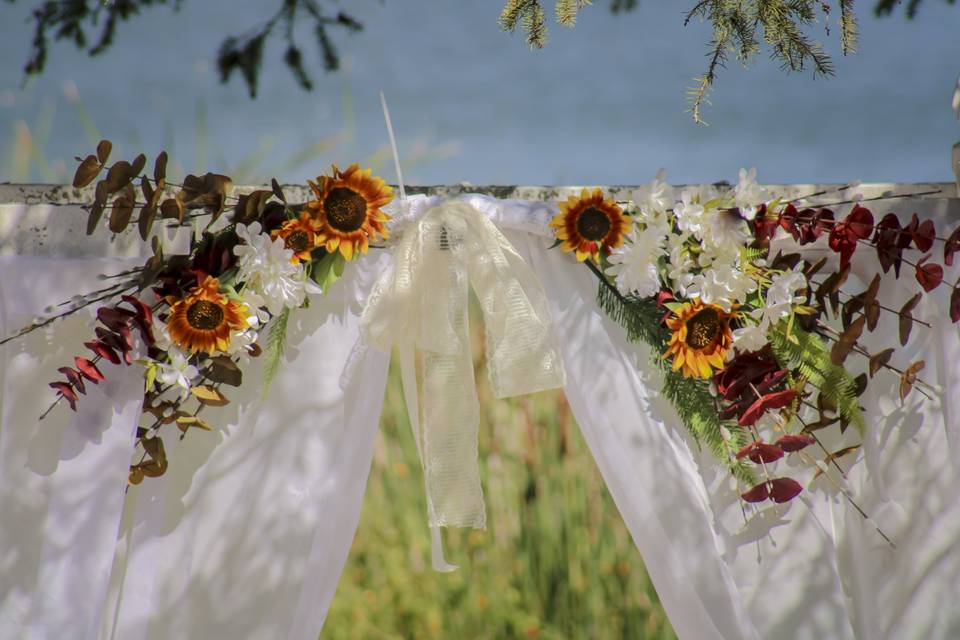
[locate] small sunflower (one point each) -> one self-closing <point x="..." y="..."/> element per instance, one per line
<point x="701" y="338"/>
<point x="300" y="236"/>
<point x="589" y="223"/>
<point x="205" y="318"/>
<point x="347" y="210"/>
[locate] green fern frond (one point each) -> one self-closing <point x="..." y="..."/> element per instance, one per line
<point x="691" y="398"/>
<point x="809" y="355"/>
<point x="276" y="346"/>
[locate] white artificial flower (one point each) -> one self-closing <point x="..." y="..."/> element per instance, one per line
<point x="747" y="195"/>
<point x="784" y="286"/>
<point x="689" y="212"/>
<point x="178" y="371"/>
<point x="265" y="266"/>
<point x="656" y="197"/>
<point x="750" y="337"/>
<point x="722" y="284"/>
<point x="635" y="263"/>
<point x="681" y="264"/>
<point x="257" y="315"/>
<point x="240" y="340"/>
<point x="725" y="230"/>
<point x="780" y="297"/>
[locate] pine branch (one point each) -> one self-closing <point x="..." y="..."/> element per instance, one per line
<point x="849" y="31"/>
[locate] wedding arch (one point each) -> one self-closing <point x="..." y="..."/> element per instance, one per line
<point x="771" y="489"/>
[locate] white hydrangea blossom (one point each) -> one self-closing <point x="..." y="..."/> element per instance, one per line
<point x="656" y="197"/>
<point x="681" y="264"/>
<point x="747" y="195"/>
<point x="724" y="231"/>
<point x="781" y="295"/>
<point x="635" y="263"/>
<point x="690" y="213"/>
<point x="265" y="266"/>
<point x="722" y="284"/>
<point x="780" y="299"/>
<point x="750" y="338"/>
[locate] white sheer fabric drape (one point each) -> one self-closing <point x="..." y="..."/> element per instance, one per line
<point x="61" y="479"/>
<point x="247" y="533"/>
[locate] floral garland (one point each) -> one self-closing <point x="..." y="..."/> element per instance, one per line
<point x="751" y="360"/>
<point x="199" y="316"/>
<point x="752" y="347"/>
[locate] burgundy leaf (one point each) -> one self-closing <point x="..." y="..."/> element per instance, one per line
<point x="67" y="392"/>
<point x="887" y="239"/>
<point x="103" y="351"/>
<point x="759" y="451"/>
<point x="906" y="239"/>
<point x="75" y="378"/>
<point x="143" y="309"/>
<point x="114" y="318"/>
<point x="766" y="453"/>
<point x="765" y="223"/>
<point x="860" y="222"/>
<point x="745" y="451"/>
<point x="776" y="400"/>
<point x="923" y="235"/>
<point x="127" y="335"/>
<point x="845" y="234"/>
<point x="794" y="442"/>
<point x="955" y="303"/>
<point x="951" y="246"/>
<point x="929" y="275"/>
<point x="89" y="370"/>
<point x="784" y="489"/>
<point x="758" y="493"/>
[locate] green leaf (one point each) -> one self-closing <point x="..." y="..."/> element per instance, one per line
<point x="327" y="270"/>
<point x="276" y="346"/>
<point x="151" y="377"/>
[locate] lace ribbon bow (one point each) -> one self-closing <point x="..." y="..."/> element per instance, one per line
<point x="421" y="306"/>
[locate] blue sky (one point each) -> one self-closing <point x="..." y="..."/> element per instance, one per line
<point x="602" y="103"/>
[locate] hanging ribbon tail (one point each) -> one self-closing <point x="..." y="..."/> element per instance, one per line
<point x="421" y="305"/>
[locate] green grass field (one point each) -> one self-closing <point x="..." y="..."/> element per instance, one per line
<point x="555" y="561"/>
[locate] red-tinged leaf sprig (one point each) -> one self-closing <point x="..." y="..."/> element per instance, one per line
<point x="115" y="343"/>
<point x="889" y="238"/>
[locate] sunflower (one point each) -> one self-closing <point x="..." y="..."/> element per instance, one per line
<point x="205" y="318"/>
<point x="347" y="209"/>
<point x="589" y="223"/>
<point x="701" y="338"/>
<point x="300" y="236"/>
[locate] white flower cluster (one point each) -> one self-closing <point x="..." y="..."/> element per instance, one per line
<point x="272" y="280"/>
<point x="780" y="298"/>
<point x="693" y="242"/>
<point x="713" y="272"/>
<point x="635" y="262"/>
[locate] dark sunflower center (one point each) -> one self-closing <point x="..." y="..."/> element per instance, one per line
<point x="593" y="224"/>
<point x="703" y="329"/>
<point x="204" y="315"/>
<point x="298" y="241"/>
<point x="346" y="209"/>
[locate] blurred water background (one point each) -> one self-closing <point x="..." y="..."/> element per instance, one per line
<point x="603" y="103"/>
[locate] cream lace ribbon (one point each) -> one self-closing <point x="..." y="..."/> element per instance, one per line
<point x="421" y="306"/>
